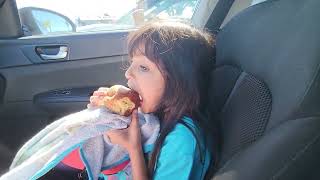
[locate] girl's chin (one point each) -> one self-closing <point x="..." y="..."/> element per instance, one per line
<point x="145" y="109"/>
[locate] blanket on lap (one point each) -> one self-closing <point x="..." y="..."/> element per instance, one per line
<point x="82" y="130"/>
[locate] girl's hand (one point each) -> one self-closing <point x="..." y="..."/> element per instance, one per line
<point x="97" y="97"/>
<point x="129" y="138"/>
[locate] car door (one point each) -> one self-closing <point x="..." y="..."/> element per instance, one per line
<point x="39" y="86"/>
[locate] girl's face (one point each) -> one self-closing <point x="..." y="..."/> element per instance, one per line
<point x="144" y="77"/>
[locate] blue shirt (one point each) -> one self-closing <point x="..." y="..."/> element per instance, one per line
<point x="179" y="156"/>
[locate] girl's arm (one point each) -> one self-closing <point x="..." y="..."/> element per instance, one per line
<point x="139" y="169"/>
<point x="130" y="139"/>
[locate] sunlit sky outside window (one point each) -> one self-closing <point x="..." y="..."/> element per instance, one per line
<point x="83" y="9"/>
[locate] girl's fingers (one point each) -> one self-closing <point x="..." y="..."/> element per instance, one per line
<point x="93" y="99"/>
<point x="134" y="118"/>
<point x="103" y="89"/>
<point x="99" y="93"/>
<point x="96" y="100"/>
<point x="89" y="106"/>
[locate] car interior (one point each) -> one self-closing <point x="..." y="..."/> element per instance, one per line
<point x="263" y="101"/>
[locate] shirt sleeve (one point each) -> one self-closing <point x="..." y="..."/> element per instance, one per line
<point x="176" y="158"/>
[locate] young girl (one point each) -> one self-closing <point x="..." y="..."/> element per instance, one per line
<point x="169" y="66"/>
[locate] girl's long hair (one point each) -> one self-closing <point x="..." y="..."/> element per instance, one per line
<point x="184" y="56"/>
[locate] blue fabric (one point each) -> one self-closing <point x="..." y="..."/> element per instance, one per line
<point x="179" y="157"/>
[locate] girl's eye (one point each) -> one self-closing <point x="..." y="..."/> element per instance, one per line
<point x="126" y="65"/>
<point x="143" y="68"/>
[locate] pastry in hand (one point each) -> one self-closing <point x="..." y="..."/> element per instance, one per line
<point x="121" y="100"/>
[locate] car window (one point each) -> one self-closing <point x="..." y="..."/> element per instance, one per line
<point x="45" y="17"/>
<point x="57" y="23"/>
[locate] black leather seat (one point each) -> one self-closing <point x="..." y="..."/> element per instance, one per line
<point x="265" y="92"/>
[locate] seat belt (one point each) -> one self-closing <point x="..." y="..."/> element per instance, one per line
<point x="218" y="14"/>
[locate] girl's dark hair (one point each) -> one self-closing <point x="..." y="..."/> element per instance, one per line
<point x="184" y="56"/>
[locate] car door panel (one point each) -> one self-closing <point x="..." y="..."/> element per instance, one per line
<point x="22" y="51"/>
<point x="37" y="92"/>
<point x="63" y="101"/>
<point x="43" y="77"/>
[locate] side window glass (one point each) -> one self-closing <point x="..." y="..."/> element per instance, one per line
<point x="48" y="22"/>
<point x="45" y="17"/>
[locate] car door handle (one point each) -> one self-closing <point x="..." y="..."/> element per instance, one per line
<point x="44" y="52"/>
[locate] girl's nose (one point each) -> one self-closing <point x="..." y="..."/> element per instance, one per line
<point x="128" y="74"/>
